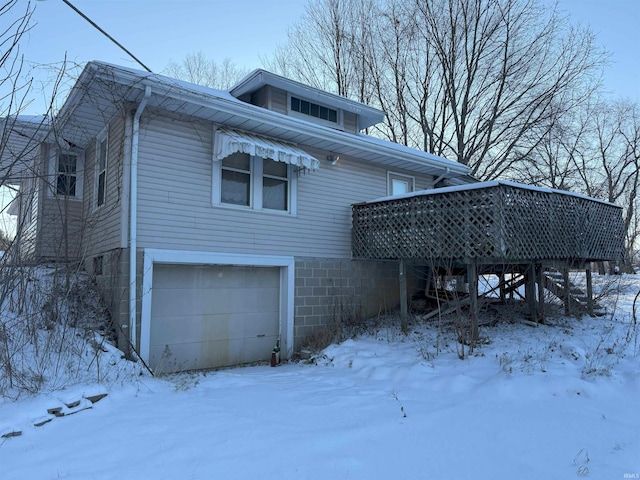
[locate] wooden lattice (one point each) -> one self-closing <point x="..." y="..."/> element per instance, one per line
<point x="499" y="223"/>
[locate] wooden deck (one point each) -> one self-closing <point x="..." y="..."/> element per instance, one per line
<point x="492" y="227"/>
<point x="489" y="223"/>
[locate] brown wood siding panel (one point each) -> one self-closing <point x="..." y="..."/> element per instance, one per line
<point x="260" y="98"/>
<point x="279" y="100"/>
<point x="350" y="122"/>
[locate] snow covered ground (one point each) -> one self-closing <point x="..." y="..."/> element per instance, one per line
<point x="558" y="401"/>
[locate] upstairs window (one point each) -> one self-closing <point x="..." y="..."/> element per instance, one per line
<point x="313" y="110"/>
<point x="101" y="171"/>
<point x="66" y="178"/>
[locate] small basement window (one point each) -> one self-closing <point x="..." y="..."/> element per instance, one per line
<point x="98" y="265"/>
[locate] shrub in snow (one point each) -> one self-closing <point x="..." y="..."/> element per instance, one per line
<point x="54" y="331"/>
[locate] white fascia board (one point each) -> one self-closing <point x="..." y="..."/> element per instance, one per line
<point x="360" y="141"/>
<point x="214" y="99"/>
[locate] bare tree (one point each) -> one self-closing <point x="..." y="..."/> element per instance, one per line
<point x="617" y="164"/>
<point x="475" y="81"/>
<point x="197" y="68"/>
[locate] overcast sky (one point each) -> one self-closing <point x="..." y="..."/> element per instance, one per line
<point x="158" y="31"/>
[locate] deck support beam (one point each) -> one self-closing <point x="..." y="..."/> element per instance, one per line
<point x="530" y="291"/>
<point x="589" y="289"/>
<point x="567" y="292"/>
<point x="403" y="296"/>
<point x="472" y="272"/>
<point x="540" y="282"/>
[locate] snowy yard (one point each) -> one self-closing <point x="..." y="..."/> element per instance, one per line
<point x="558" y="401"/>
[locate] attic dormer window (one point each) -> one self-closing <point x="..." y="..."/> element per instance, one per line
<point x="313" y="110"/>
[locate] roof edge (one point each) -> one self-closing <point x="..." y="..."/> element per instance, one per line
<point x="259" y="78"/>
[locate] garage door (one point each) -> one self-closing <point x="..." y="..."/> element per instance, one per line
<point x="207" y="316"/>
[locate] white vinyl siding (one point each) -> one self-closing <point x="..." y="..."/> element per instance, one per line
<point x="102" y="150"/>
<point x="175" y="209"/>
<point x="102" y="230"/>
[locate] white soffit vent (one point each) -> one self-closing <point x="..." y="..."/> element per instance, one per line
<point x="231" y="141"/>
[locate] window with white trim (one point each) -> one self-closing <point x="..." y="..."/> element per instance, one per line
<point x="275" y="185"/>
<point x="397" y="183"/>
<point x="102" y="149"/>
<point x="254" y="182"/>
<point x="67" y="174"/>
<point x="236" y="180"/>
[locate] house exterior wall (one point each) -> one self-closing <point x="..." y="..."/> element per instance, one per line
<point x="350" y="122"/>
<point x="60" y="229"/>
<point x="176" y="212"/>
<point x="55" y="229"/>
<point x="175" y="208"/>
<point x="31" y="199"/>
<point x="333" y="291"/>
<point x="113" y="284"/>
<point x="26" y="234"/>
<point x="103" y="223"/>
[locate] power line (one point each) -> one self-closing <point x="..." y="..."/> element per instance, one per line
<point x="95" y="25"/>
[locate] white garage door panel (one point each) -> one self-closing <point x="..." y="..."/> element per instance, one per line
<point x="179" y="301"/>
<point x="168" y="330"/>
<point x="192" y="356"/>
<point x="212" y="316"/>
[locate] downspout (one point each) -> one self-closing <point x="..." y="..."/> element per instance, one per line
<point x="446" y="172"/>
<point x="133" y="221"/>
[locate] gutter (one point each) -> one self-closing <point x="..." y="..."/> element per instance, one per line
<point x="446" y="173"/>
<point x="234" y="106"/>
<point x="133" y="221"/>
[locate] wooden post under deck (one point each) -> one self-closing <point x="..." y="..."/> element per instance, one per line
<point x="403" y="296"/>
<point x="589" y="289"/>
<point x="567" y="292"/>
<point x="473" y="299"/>
<point x="540" y="281"/>
<point x="530" y="291"/>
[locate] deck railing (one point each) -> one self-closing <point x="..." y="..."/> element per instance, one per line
<point x="490" y="222"/>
